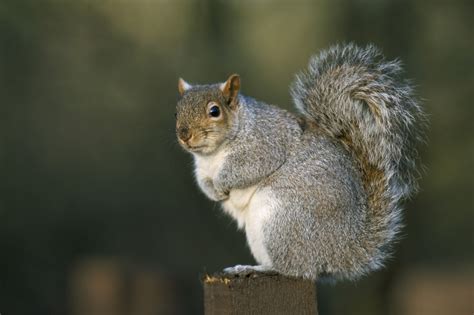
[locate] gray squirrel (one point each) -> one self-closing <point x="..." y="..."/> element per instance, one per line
<point x="318" y="192"/>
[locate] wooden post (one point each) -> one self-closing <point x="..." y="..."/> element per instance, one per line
<point x="258" y="293"/>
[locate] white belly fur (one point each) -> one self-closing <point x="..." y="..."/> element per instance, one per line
<point x="252" y="209"/>
<point x="239" y="203"/>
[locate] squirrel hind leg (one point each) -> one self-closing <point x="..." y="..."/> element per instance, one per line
<point x="248" y="270"/>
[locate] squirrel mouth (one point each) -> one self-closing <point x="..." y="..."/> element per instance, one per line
<point x="189" y="147"/>
<point x="195" y="147"/>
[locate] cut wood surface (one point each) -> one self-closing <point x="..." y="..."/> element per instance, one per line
<point x="258" y="293"/>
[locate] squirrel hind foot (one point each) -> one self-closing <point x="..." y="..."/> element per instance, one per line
<point x="248" y="271"/>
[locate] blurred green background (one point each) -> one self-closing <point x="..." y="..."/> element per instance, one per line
<point x="99" y="213"/>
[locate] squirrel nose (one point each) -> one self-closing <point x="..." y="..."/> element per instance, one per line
<point x="184" y="133"/>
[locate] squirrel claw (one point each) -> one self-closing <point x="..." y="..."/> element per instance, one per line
<point x="246" y="270"/>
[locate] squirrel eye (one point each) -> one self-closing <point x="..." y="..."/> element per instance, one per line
<point x="214" y="111"/>
<point x="175" y="115"/>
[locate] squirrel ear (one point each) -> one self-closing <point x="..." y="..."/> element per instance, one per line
<point x="183" y="86"/>
<point x="231" y="87"/>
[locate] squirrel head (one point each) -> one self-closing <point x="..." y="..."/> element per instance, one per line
<point x="206" y="114"/>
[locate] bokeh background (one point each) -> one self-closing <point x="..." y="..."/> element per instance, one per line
<point x="99" y="213"/>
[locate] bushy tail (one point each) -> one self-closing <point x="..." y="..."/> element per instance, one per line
<point x="357" y="97"/>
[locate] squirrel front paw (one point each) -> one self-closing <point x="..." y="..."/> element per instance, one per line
<point x="221" y="196"/>
<point x="213" y="193"/>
